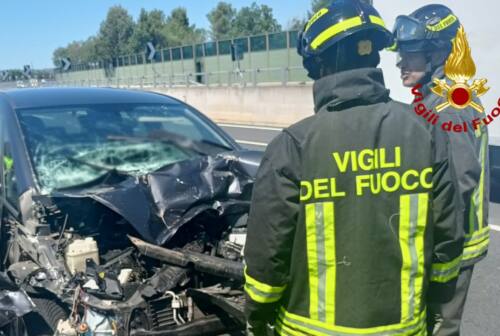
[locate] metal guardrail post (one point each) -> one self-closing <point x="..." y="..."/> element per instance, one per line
<point x="219" y="81"/>
<point x="285" y="76"/>
<point x="243" y="81"/>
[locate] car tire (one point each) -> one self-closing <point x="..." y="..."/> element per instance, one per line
<point x="43" y="320"/>
<point x="15" y="328"/>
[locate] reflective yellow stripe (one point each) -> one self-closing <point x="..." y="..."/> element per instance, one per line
<point x="445" y="272"/>
<point x="377" y="20"/>
<point x="404" y="233"/>
<point x="479" y="204"/>
<point x="261" y="292"/>
<point x="8" y="163"/>
<point x="308" y="326"/>
<point x="423" y="203"/>
<point x="476" y="212"/>
<point x="321" y="260"/>
<point x="412" y="224"/>
<point x="472" y="214"/>
<point x="444" y="267"/>
<point x="261" y="297"/>
<point x="331" y="267"/>
<point x="282" y="329"/>
<point x="475" y="251"/>
<point x="476" y="245"/>
<point x="334" y="30"/>
<point x="445" y="277"/>
<point x="312" y="259"/>
<point x="477" y="237"/>
<point x="444" y="23"/>
<point x="262" y="286"/>
<point x="315" y="18"/>
<point x="393" y="47"/>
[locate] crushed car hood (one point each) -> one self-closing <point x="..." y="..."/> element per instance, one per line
<point x="157" y="204"/>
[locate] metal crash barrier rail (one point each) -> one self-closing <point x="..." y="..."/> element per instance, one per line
<point x="252" y="77"/>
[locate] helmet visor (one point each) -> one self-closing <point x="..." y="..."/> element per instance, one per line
<point x="408" y="29"/>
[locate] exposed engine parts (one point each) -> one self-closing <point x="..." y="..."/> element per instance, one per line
<point x="159" y="254"/>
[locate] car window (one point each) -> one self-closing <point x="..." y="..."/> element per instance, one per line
<point x="75" y="145"/>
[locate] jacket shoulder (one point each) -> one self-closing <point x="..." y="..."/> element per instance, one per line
<point x="406" y="114"/>
<point x="298" y="131"/>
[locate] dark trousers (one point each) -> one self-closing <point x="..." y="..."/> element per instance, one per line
<point x="444" y="319"/>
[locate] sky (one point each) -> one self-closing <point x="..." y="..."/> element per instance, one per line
<point x="30" y="30"/>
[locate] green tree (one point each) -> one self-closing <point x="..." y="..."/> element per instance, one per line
<point x="178" y="31"/>
<point x="15" y="74"/>
<point x="221" y="20"/>
<point x="78" y="51"/>
<point x="89" y="50"/>
<point x="318" y="4"/>
<point x="296" y="24"/>
<point x="149" y="28"/>
<point x="115" y="33"/>
<point x="254" y="20"/>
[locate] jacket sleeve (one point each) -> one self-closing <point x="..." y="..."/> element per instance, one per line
<point x="448" y="215"/>
<point x="464" y="161"/>
<point x="271" y="229"/>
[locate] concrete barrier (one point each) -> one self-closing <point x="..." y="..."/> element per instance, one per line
<point x="278" y="106"/>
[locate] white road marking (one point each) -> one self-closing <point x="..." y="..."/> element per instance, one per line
<point x="495" y="227"/>
<point x="264" y="128"/>
<point x="252" y="143"/>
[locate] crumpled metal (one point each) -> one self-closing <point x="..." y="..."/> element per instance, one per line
<point x="158" y="204"/>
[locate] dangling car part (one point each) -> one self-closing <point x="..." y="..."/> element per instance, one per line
<point x="14" y="304"/>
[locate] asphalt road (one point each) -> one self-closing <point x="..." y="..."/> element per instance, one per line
<point x="482" y="311"/>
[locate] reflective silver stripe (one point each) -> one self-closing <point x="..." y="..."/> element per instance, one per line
<point x="413" y="251"/>
<point x="322" y="266"/>
<point x="477" y="237"/>
<point x="320" y="247"/>
<point x="412" y="223"/>
<point x="267" y="297"/>
<point x="415" y="327"/>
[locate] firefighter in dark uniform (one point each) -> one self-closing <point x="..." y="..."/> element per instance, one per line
<point x="351" y="227"/>
<point x="424" y="42"/>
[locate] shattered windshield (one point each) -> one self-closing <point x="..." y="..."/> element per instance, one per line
<point x="72" y="146"/>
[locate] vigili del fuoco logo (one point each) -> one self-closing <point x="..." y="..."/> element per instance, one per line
<point x="459" y="70"/>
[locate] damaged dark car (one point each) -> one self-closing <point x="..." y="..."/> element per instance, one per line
<point x="123" y="213"/>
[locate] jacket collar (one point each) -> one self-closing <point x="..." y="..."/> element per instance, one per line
<point x="350" y="88"/>
<point x="428" y="82"/>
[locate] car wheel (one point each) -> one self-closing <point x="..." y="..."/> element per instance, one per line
<point x="15" y="328"/>
<point x="43" y="320"/>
